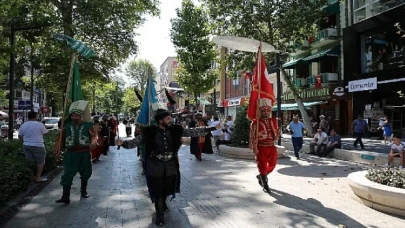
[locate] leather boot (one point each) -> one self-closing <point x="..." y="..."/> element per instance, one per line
<point x="65" y="195"/>
<point x="165" y="207"/>
<point x="259" y="179"/>
<point x="159" y="212"/>
<point x="83" y="189"/>
<point x="265" y="184"/>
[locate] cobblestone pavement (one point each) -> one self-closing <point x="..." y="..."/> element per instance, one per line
<point x="217" y="192"/>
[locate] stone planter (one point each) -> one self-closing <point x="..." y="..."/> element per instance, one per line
<point x="377" y="196"/>
<point x="245" y="153"/>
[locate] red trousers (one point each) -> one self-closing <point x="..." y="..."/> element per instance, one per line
<point x="266" y="159"/>
<point x="201" y="149"/>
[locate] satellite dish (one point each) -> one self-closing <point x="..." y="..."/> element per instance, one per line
<point x="242" y="44"/>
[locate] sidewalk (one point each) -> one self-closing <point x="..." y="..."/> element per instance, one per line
<point x="371" y="145"/>
<point x="217" y="192"/>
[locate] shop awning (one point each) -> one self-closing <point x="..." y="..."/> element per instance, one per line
<point x="329" y="52"/>
<point x="291" y="64"/>
<point x="288" y="107"/>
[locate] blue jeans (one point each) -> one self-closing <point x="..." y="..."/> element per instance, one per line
<point x="297" y="145"/>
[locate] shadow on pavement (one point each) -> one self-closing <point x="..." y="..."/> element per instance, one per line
<point x="313" y="207"/>
<point x="318" y="167"/>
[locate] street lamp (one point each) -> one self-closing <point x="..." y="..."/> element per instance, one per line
<point x="13" y="30"/>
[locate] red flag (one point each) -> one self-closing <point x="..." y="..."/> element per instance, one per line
<point x="266" y="89"/>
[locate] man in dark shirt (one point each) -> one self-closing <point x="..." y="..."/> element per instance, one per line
<point x="334" y="142"/>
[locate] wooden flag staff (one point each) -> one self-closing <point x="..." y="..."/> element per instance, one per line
<point x="74" y="57"/>
<point x="259" y="81"/>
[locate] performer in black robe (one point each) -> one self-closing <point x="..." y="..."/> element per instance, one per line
<point x="162" y="171"/>
<point x="105" y="132"/>
<point x="200" y="145"/>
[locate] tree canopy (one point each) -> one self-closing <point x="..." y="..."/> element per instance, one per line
<point x="190" y="35"/>
<point x="106" y="26"/>
<point x="138" y="71"/>
<point x="280" y="23"/>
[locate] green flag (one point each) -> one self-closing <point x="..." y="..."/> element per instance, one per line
<point x="74" y="92"/>
<point x="76" y="45"/>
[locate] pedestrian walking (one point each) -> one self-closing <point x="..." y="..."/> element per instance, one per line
<point x="98" y="150"/>
<point x="162" y="143"/>
<point x="359" y="128"/>
<point x="387" y="133"/>
<point x="32" y="133"/>
<point x="217" y="133"/>
<point x="19" y="122"/>
<point x="78" y="140"/>
<point x="262" y="140"/>
<point x="296" y="129"/>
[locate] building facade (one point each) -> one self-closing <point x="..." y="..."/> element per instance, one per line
<point x="374" y="62"/>
<point x="166" y="74"/>
<point x="316" y="71"/>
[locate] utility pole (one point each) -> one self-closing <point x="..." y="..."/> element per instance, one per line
<point x="32" y="79"/>
<point x="11" y="82"/>
<point x="279" y="87"/>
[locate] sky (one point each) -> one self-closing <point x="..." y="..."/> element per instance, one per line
<point x="153" y="37"/>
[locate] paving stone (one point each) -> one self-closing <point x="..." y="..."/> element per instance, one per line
<point x="216" y="192"/>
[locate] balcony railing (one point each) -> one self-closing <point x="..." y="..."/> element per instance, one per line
<point x="311" y="82"/>
<point x="364" y="9"/>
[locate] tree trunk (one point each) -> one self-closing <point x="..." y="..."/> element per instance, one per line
<point x="297" y="98"/>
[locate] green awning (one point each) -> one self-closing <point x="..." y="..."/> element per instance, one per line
<point x="291" y="64"/>
<point x="329" y="52"/>
<point x="288" y="107"/>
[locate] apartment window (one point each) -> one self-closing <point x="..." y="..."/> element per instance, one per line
<point x="235" y="82"/>
<point x="18" y="94"/>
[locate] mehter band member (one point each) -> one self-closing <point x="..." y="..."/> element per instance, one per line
<point x="262" y="142"/>
<point x="78" y="140"/>
<point x="162" y="171"/>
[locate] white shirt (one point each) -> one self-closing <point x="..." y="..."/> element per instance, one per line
<point x="217" y="132"/>
<point x="19" y="121"/>
<point x="33" y="133"/>
<point x="228" y="134"/>
<point x="398" y="148"/>
<point x="323" y="137"/>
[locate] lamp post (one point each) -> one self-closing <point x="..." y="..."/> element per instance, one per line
<point x="279" y="86"/>
<point x="13" y="30"/>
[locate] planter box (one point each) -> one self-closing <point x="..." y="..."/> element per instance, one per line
<point x="245" y="153"/>
<point x="377" y="196"/>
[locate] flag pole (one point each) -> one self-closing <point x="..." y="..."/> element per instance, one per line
<point x="149" y="97"/>
<point x="259" y="81"/>
<point x="74" y="56"/>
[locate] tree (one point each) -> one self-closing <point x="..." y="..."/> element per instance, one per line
<point x="280" y="23"/>
<point x="190" y="35"/>
<point x="241" y="131"/>
<point x="130" y="103"/>
<point x="106" y="26"/>
<point x="138" y="71"/>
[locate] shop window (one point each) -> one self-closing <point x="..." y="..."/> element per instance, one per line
<point x="382" y="49"/>
<point x="329" y="64"/>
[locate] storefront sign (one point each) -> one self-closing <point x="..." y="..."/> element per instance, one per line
<point x="339" y="91"/>
<point x="363" y="85"/>
<point x="234" y="102"/>
<point x="315" y="93"/>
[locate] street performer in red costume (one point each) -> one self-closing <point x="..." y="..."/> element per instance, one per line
<point x="262" y="142"/>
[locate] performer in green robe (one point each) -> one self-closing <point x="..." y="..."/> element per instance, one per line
<point x="78" y="139"/>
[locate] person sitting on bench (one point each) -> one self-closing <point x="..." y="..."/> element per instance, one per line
<point x="397" y="150"/>
<point x="320" y="140"/>
<point x="335" y="141"/>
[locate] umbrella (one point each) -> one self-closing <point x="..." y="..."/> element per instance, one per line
<point x="242" y="44"/>
<point x="4" y="114"/>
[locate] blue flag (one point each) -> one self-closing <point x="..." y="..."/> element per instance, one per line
<point x="148" y="101"/>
